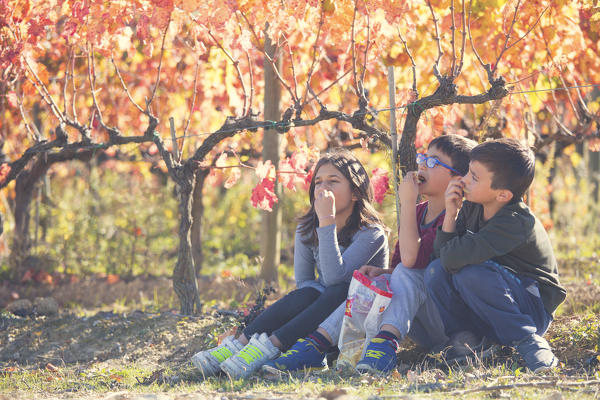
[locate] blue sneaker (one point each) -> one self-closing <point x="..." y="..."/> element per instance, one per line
<point x="302" y="356"/>
<point x="380" y="357"/>
<point x="537" y="354"/>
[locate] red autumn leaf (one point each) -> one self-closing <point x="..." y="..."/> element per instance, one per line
<point x="51" y="367"/>
<point x="28" y="275"/>
<point x="265" y="170"/>
<point x="153" y="149"/>
<point x="44" y="277"/>
<point x="234" y="176"/>
<point x="4" y="171"/>
<point x="263" y="195"/>
<point x="111" y="279"/>
<point x="223" y="335"/>
<point x="381" y="184"/>
<point x="12" y="99"/>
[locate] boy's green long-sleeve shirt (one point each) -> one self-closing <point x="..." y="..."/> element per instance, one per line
<point x="513" y="237"/>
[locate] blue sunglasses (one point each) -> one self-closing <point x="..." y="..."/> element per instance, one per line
<point x="432" y="162"/>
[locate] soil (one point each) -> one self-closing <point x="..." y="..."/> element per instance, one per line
<point x="159" y="339"/>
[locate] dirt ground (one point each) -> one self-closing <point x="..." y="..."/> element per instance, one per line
<point x="164" y="339"/>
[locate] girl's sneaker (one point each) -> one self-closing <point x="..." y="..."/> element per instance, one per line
<point x="302" y="356"/>
<point x="254" y="355"/>
<point x="208" y="361"/>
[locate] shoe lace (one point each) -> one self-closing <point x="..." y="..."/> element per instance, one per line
<point x="250" y="354"/>
<point x="377" y="354"/>
<point x="221" y="354"/>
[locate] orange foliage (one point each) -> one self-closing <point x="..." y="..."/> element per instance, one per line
<point x="212" y="65"/>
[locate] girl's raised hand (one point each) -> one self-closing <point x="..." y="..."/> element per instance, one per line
<point x="325" y="206"/>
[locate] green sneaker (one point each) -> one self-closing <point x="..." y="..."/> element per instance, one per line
<point x="208" y="361"/>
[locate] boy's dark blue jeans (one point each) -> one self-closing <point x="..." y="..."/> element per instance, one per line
<point x="488" y="300"/>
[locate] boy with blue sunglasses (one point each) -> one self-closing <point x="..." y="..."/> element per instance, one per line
<point x="496" y="274"/>
<point x="410" y="309"/>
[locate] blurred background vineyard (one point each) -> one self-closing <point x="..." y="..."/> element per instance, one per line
<point x="120" y="219"/>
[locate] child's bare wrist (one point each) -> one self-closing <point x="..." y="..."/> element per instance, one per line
<point x="327" y="220"/>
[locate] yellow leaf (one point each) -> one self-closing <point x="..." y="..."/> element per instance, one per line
<point x="575" y="159"/>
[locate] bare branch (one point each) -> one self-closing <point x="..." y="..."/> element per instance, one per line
<point x="236" y="64"/>
<point x="414" y="66"/>
<point x="66" y="81"/>
<point x="92" y="78"/>
<point x="437" y="36"/>
<point x="551" y="58"/>
<point x="292" y="66"/>
<point x="251" y="84"/>
<point x="314" y="57"/>
<point x="464" y="40"/>
<point x="530" y="29"/>
<point x="452" y="41"/>
<point x="365" y="55"/>
<point x="125" y="86"/>
<point x="36" y="136"/>
<point x="271" y="61"/>
<point x="485" y="66"/>
<point x="326" y="88"/>
<point x="162" y="53"/>
<point x="43" y="91"/>
<point x="353" y="48"/>
<point x="192" y="105"/>
<point x="505" y="47"/>
<point x="74" y="88"/>
<point x="535" y="384"/>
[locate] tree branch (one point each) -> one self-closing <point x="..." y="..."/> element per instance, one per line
<point x="414" y="66"/>
<point x="162" y="53"/>
<point x="504" y="48"/>
<point x="236" y="64"/>
<point x="464" y="40"/>
<point x="452" y="41"/>
<point x="437" y="39"/>
<point x="125" y="86"/>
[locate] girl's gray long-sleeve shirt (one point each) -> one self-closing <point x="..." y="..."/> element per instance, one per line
<point x="334" y="263"/>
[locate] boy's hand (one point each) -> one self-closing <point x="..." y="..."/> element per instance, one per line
<point x="454" y="196"/>
<point x="408" y="191"/>
<point x="371" y="271"/>
<point x="325" y="207"/>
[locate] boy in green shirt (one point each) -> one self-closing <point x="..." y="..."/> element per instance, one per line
<point x="496" y="275"/>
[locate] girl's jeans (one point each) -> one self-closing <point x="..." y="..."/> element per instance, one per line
<point x="298" y="313"/>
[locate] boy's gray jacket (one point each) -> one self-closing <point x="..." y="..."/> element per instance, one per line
<point x="513" y="237"/>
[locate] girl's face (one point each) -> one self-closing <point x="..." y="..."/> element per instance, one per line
<point x="330" y="178"/>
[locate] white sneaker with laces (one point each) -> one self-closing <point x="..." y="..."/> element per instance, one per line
<point x="252" y="357"/>
<point x="208" y="361"/>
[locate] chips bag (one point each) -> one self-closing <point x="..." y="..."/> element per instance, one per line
<point x="367" y="300"/>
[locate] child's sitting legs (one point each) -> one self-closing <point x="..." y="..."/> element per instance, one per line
<point x="491" y="301"/>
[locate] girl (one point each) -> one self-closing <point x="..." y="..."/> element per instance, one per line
<point x="340" y="233"/>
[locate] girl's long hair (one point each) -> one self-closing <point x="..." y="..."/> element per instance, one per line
<point x="363" y="213"/>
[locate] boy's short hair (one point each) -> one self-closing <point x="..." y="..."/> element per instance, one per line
<point x="511" y="163"/>
<point x="457" y="148"/>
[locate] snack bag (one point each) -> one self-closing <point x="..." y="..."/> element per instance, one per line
<point x="367" y="300"/>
